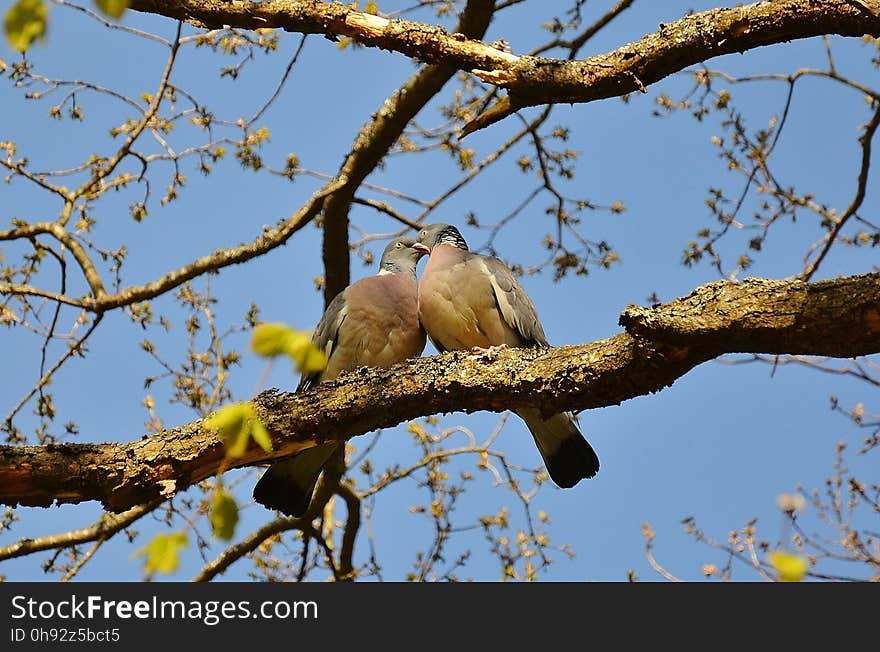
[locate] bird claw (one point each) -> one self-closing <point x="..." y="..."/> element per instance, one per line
<point x="489" y="353"/>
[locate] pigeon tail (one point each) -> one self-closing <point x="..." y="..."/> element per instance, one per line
<point x="288" y="485"/>
<point x="568" y="456"/>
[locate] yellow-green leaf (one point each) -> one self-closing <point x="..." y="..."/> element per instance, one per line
<point x="235" y="424"/>
<point x="163" y="552"/>
<point x="224" y="515"/>
<point x="25" y="23"/>
<point x="305" y="354"/>
<point x="112" y="8"/>
<point x="228" y="420"/>
<point x="791" y="568"/>
<point x="296" y="344"/>
<point x="231" y="425"/>
<point x="269" y="340"/>
<point x="311" y="359"/>
<point x="261" y="435"/>
<point x="372" y="8"/>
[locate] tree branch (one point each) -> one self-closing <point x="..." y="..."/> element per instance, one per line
<point x="536" y="80"/>
<point x="15" y="288"/>
<point x="861" y="190"/>
<point x="837" y="318"/>
<point x="101" y="530"/>
<point x="375" y="139"/>
<point x="253" y="541"/>
<point x="268" y="240"/>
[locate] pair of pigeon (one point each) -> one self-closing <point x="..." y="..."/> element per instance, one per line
<point x="464" y="301"/>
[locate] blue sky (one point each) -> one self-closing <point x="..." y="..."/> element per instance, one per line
<point x="720" y="444"/>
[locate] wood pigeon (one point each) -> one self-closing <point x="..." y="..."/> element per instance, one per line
<point x="470" y="301"/>
<point x="373" y="322"/>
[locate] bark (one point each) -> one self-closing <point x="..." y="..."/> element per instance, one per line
<point x="839" y="318"/>
<point x="538" y="80"/>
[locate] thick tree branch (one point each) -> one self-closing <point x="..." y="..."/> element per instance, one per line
<point x="674" y="47"/>
<point x="838" y="318"/>
<point x="537" y="80"/>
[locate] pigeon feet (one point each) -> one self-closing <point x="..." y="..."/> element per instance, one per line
<point x="489" y="353"/>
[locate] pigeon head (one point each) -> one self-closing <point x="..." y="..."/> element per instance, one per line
<point x="437" y="234"/>
<point x="400" y="257"/>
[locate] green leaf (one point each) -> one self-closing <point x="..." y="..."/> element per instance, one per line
<point x="312" y="360"/>
<point x="269" y="340"/>
<point x="297" y="344"/>
<point x="224" y="515"/>
<point x="230" y="424"/>
<point x="791" y="568"/>
<point x="235" y="424"/>
<point x="25" y="23"/>
<point x="261" y="435"/>
<point x="307" y="357"/>
<point x="163" y="552"/>
<point x="112" y="8"/>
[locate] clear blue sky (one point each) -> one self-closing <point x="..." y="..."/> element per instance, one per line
<point x="720" y="444"/>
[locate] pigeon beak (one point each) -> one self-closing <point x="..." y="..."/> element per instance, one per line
<point x="418" y="246"/>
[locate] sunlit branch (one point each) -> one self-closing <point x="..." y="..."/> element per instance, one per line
<point x="267" y="241"/>
<point x="247" y="545"/>
<point x="101" y="530"/>
<point x="19" y="169"/>
<point x="15" y="288"/>
<point x="836" y="318"/>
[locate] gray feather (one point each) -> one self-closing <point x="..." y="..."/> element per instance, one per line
<point x="326" y="336"/>
<point x="514" y="304"/>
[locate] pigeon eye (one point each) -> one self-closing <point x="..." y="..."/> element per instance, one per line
<point x="398" y="245"/>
